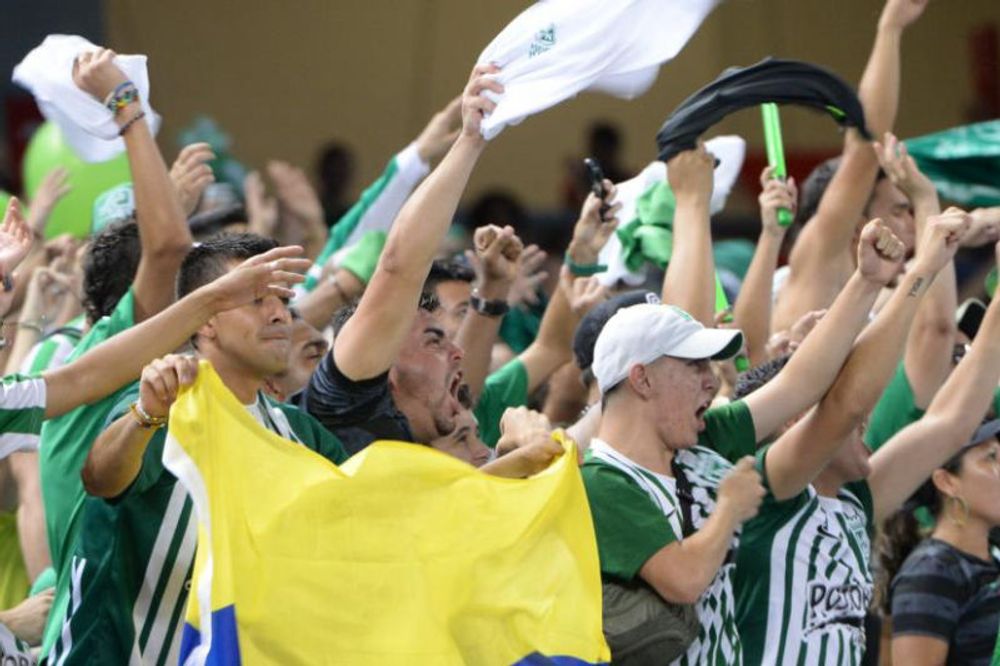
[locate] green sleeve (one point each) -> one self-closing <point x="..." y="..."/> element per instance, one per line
<point x="345" y="226"/>
<point x="895" y="410"/>
<point x="729" y="431"/>
<point x="313" y="435"/>
<point x="629" y="527"/>
<point x="507" y="387"/>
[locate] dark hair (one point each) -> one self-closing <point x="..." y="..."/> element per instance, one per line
<point x="207" y="261"/>
<point x="815" y="186"/>
<point x="758" y="376"/>
<point x="428" y="302"/>
<point x="901" y="532"/>
<point x="455" y="269"/>
<point x="109" y="267"/>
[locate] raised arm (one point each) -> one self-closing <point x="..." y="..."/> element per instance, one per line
<point x="752" y="310"/>
<point x="163" y="231"/>
<point x="829" y="234"/>
<point x="389" y="304"/>
<point x="497" y="253"/>
<point x="927" y="360"/>
<point x="690" y="280"/>
<point x="119" y="360"/>
<point x="812" y="368"/>
<point x="907" y="459"/>
<point x="801" y="453"/>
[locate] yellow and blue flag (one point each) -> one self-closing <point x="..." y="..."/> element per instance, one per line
<point x="403" y="555"/>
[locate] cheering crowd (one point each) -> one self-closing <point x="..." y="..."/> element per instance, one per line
<point x="842" y="488"/>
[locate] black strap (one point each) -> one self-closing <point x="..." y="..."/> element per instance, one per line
<point x="684" y="496"/>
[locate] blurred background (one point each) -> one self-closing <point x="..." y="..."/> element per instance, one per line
<point x="355" y="80"/>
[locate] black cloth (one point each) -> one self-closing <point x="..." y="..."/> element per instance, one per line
<point x="358" y="413"/>
<point x="945" y="593"/>
<point x="770" y="80"/>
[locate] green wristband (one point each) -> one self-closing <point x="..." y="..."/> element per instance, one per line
<point x="584" y="270"/>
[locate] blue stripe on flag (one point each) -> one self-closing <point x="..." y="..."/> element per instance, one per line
<point x="538" y="659"/>
<point x="225" y="642"/>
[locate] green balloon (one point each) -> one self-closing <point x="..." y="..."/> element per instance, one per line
<point x="4" y="200"/>
<point x="74" y="212"/>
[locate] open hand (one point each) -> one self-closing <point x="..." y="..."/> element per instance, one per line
<point x="16" y="238"/>
<point x="53" y="187"/>
<point x="191" y="174"/>
<point x="582" y="293"/>
<point x="269" y="274"/>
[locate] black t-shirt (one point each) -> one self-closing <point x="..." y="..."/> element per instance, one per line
<point x="358" y="413"/>
<point x="945" y="593"/>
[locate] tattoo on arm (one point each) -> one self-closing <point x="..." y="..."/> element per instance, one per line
<point x="915" y="289"/>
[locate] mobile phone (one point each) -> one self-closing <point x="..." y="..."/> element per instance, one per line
<point x="596" y="174"/>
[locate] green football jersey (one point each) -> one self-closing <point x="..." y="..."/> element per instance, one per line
<point x="803" y="578"/>
<point x="132" y="563"/>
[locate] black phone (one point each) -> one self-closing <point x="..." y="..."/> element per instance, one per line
<point x="596" y="174"/>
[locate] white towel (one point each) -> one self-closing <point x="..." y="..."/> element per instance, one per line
<point x="87" y="125"/>
<point x="729" y="150"/>
<point x="558" y="48"/>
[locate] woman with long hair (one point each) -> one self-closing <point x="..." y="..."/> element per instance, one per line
<point x="944" y="595"/>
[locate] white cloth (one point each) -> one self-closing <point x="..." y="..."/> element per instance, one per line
<point x="730" y="150"/>
<point x="87" y="126"/>
<point x="556" y="49"/>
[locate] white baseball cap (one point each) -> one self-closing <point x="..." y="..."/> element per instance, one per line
<point x="642" y="333"/>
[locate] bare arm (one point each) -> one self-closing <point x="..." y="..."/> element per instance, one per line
<point x="113" y="363"/>
<point x="917" y="650"/>
<point x="163" y="231"/>
<point x="115" y="458"/>
<point x="828" y="236"/>
<point x="497" y="253"/>
<point x="690" y="280"/>
<point x="331" y="293"/>
<point x="752" y="311"/>
<point x="389" y="303"/>
<point x="799" y="455"/>
<point x="907" y="459"/>
<point x="681" y="571"/>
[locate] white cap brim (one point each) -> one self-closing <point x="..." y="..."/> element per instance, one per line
<point x="717" y="344"/>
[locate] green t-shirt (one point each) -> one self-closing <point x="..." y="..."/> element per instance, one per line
<point x="897" y="409"/>
<point x="803" y="580"/>
<point x="507" y="387"/>
<point x="133" y="559"/>
<point x="65" y="443"/>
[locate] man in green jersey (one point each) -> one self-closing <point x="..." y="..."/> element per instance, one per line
<point x="131" y="562"/>
<point x="652" y="366"/>
<point x="803" y="583"/>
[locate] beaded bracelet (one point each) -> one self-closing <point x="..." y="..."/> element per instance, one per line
<point x="122" y="96"/>
<point x="131" y="121"/>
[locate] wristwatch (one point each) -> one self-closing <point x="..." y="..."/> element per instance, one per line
<point x="496" y="308"/>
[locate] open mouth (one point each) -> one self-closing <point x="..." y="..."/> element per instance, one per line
<point x="700" y="412"/>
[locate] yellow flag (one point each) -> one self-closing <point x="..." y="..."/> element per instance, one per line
<point x="402" y="555"/>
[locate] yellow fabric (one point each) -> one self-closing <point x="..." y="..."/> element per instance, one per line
<point x="14" y="581"/>
<point x="401" y="556"/>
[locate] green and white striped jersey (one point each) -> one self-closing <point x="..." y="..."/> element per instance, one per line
<point x="22" y="412"/>
<point x="718" y="641"/>
<point x="53" y="351"/>
<point x="803" y="581"/>
<point x="376" y="210"/>
<point x="132" y="561"/>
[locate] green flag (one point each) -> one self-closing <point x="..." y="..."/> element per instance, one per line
<point x="963" y="162"/>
